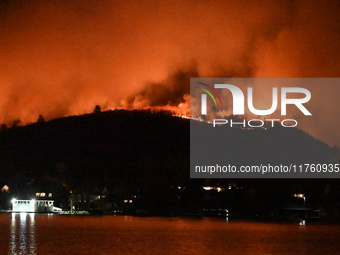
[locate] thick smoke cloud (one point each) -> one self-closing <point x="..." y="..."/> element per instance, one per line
<point x="61" y="58"/>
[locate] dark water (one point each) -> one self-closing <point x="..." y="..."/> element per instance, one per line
<point x="58" y="234"/>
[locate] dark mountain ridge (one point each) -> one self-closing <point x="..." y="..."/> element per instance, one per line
<point x="141" y="152"/>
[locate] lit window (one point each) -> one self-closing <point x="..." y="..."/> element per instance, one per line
<point x="299" y="195"/>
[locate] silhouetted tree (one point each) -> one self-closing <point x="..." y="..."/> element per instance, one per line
<point x="16" y="123"/>
<point x="97" y="109"/>
<point x="41" y="119"/>
<point x="3" y="127"/>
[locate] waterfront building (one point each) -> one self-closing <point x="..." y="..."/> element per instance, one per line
<point x="33" y="206"/>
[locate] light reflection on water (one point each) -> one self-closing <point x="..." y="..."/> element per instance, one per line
<point x="22" y="234"/>
<point x="38" y="234"/>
